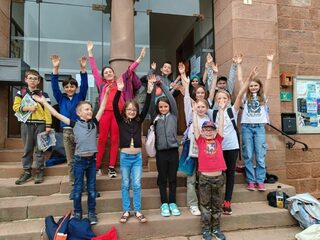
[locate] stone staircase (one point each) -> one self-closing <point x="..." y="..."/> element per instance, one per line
<point x="23" y="208"/>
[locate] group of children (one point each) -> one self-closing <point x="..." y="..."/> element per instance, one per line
<point x="212" y="132"/>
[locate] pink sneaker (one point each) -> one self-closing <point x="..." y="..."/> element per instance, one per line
<point x="250" y="186"/>
<point x="261" y="187"/>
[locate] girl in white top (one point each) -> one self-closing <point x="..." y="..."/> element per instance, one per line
<point x="253" y="121"/>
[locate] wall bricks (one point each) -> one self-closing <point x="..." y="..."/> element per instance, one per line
<point x="295" y="171"/>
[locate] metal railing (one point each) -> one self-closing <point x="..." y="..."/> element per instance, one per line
<point x="290" y="144"/>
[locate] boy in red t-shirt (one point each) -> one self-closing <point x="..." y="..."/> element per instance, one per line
<point x="210" y="167"/>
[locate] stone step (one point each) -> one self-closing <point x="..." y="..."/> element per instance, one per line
<point x="13" y="143"/>
<point x="60" y="184"/>
<point x="15" y="155"/>
<point x="14" y="169"/>
<point x="278" y="233"/>
<point x="110" y="201"/>
<point x="251" y="215"/>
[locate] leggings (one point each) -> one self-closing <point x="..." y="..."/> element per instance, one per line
<point x="230" y="158"/>
<point x="108" y="124"/>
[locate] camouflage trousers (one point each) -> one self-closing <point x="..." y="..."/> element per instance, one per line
<point x="210" y="192"/>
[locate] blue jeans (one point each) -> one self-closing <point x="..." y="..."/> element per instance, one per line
<point x="87" y="166"/>
<point x="254" y="142"/>
<point x="131" y="168"/>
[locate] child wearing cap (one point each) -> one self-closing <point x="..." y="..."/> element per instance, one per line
<point x="210" y="167"/>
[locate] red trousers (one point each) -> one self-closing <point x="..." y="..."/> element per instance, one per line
<point x="108" y="124"/>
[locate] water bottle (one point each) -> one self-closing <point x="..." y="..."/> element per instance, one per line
<point x="279" y="197"/>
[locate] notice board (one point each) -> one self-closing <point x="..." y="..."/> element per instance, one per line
<point x="307" y="103"/>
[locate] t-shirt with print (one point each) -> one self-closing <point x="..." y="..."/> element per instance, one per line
<point x="210" y="154"/>
<point x="85" y="136"/>
<point x="254" y="112"/>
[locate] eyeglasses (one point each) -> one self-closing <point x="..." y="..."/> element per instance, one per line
<point x="33" y="78"/>
<point x="131" y="110"/>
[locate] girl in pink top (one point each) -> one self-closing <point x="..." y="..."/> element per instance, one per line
<point x="108" y="122"/>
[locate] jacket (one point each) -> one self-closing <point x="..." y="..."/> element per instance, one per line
<point x="68" y="106"/>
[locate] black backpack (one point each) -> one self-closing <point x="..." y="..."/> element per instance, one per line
<point x="230" y="114"/>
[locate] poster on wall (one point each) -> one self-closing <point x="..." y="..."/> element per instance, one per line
<point x="307" y="103"/>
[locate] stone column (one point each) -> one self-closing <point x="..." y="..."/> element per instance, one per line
<point x="4" y="52"/>
<point x="122" y="35"/>
<point x="253" y="30"/>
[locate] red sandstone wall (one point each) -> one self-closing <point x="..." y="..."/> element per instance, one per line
<point x="299" y="54"/>
<point x="4" y="52"/>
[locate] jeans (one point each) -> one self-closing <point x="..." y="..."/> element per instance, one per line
<point x="131" y="169"/>
<point x="87" y="166"/>
<point x="254" y="142"/>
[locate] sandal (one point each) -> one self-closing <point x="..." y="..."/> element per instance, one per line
<point x="125" y="216"/>
<point x="141" y="218"/>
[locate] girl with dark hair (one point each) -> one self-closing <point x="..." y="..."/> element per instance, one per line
<point x="108" y="122"/>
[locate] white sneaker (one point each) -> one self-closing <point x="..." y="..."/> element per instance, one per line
<point x="195" y="210"/>
<point x="98" y="173"/>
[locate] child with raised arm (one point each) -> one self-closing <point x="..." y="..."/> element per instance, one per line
<point x="39" y="121"/>
<point x="85" y="137"/>
<point x="230" y="143"/>
<point x="211" y="179"/>
<point x="253" y="121"/>
<point x="130" y="122"/>
<point x="67" y="102"/>
<point x="108" y="121"/>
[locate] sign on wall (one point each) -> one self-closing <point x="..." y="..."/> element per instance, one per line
<point x="307" y="103"/>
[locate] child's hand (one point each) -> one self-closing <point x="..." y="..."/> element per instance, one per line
<point x="48" y="129"/>
<point x="89" y="46"/>
<point x="182" y="68"/>
<point x="214" y="67"/>
<point x="39" y="99"/>
<point x="209" y="58"/>
<point x="151" y="80"/>
<point x="55" y="59"/>
<point x="120" y="84"/>
<point x="153" y="66"/>
<point x="270" y="56"/>
<point x="32" y="108"/>
<point x="254" y="73"/>
<point x="237" y="59"/>
<point x="142" y="54"/>
<point x="222" y="104"/>
<point x="83" y="62"/>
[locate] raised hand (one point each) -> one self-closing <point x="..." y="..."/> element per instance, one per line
<point x="182" y="68"/>
<point x="214" y="67"/>
<point x="153" y="66"/>
<point x="120" y="84"/>
<point x="254" y="73"/>
<point x="89" y="46"/>
<point x="83" y="62"/>
<point x="270" y="56"/>
<point x="151" y="82"/>
<point x="222" y="104"/>
<point x="237" y="59"/>
<point x="55" y="59"/>
<point x="209" y="58"/>
<point x="142" y="54"/>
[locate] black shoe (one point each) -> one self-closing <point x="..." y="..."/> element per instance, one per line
<point x="93" y="218"/>
<point x="38" y="178"/>
<point x="216" y="232"/>
<point x="25" y="177"/>
<point x="98" y="195"/>
<point x="77" y="215"/>
<point x="112" y="173"/>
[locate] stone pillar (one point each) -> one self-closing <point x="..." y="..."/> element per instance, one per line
<point x="4" y="52"/>
<point x="253" y="30"/>
<point x="122" y="35"/>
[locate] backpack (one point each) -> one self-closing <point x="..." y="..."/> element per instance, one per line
<point x="231" y="116"/>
